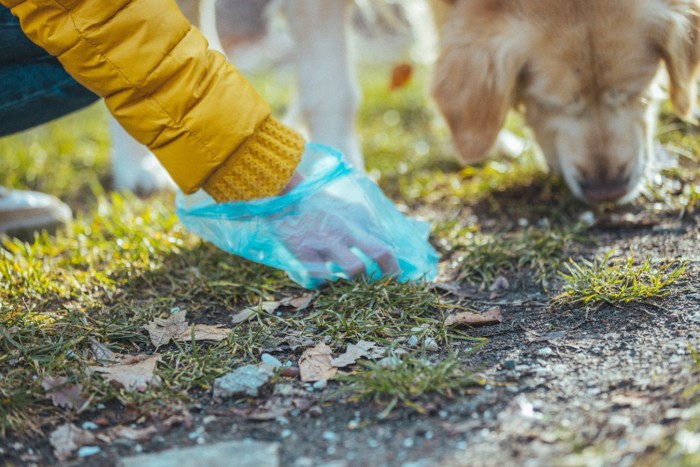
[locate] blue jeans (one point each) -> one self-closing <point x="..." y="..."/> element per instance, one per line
<point x="34" y="87"/>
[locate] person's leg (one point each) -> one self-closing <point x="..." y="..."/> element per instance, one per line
<point x="34" y="89"/>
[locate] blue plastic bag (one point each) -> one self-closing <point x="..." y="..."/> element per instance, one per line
<point x="335" y="224"/>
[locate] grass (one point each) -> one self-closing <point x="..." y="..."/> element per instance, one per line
<point x="618" y="282"/>
<point x="483" y="257"/>
<point x="410" y="381"/>
<point x="124" y="261"/>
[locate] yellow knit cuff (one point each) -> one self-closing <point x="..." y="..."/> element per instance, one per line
<point x="261" y="166"/>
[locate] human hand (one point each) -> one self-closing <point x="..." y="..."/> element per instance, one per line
<point x="334" y="223"/>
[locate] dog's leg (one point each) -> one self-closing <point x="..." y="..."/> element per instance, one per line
<point x="134" y="167"/>
<point x="328" y="87"/>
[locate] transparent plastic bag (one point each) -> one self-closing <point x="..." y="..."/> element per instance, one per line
<point x="336" y="223"/>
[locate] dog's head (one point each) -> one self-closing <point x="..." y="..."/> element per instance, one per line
<point x="583" y="72"/>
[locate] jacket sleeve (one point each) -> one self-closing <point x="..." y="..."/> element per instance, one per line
<point x="189" y="105"/>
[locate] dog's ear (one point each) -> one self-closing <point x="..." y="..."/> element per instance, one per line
<point x="679" y="41"/>
<point x="475" y="80"/>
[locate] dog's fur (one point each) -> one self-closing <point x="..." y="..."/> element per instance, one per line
<point x="582" y="71"/>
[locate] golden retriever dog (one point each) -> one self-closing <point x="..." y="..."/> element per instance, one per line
<point x="583" y="72"/>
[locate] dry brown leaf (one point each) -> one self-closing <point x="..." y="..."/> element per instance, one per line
<point x="355" y="352"/>
<point x="490" y="317"/>
<point x="206" y="332"/>
<point x="315" y="364"/>
<point x="68" y="396"/>
<point x="299" y="303"/>
<point x="400" y="76"/>
<point x="161" y="331"/>
<point x="132" y="434"/>
<point x="67" y="438"/>
<point x="134" y="373"/>
<point x="101" y="351"/>
<point x="247" y="313"/>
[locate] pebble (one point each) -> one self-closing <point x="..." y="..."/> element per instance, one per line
<point x="330" y="436"/>
<point x="87" y="451"/>
<point x="241" y="453"/>
<point x="408" y="443"/>
<point x="390" y="361"/>
<point x="545" y="352"/>
<point x="320" y="385"/>
<point x="587" y="218"/>
<point x="290" y="372"/>
<point x="509" y="365"/>
<point x="412" y="341"/>
<point x="429" y="434"/>
<point x="270" y="360"/>
<point x="522" y="368"/>
<point x="246" y="380"/>
<point x="89" y="426"/>
<point x="431" y="345"/>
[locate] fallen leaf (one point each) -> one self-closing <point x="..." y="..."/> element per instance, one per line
<point x="134" y="373"/>
<point x="132" y="434"/>
<point x="247" y="313"/>
<point x="205" y="332"/>
<point x="363" y="349"/>
<point x="400" y="76"/>
<point x="161" y="331"/>
<point x="492" y="316"/>
<point x="298" y="303"/>
<point x="101" y="351"/>
<point x="68" y="396"/>
<point x="67" y="438"/>
<point x="315" y="364"/>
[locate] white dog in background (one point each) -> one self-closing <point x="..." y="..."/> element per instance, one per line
<point x="329" y="95"/>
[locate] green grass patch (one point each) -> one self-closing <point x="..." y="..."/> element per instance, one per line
<point x="617" y="282"/>
<point x="409" y="381"/>
<point x="482" y="257"/>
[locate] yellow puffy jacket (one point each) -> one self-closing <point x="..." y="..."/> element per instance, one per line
<point x="202" y="119"/>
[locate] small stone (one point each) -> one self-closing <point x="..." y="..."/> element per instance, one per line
<point x="587" y="218"/>
<point x="329" y="436"/>
<point x="545" y="352"/>
<point x="389" y="362"/>
<point x="247" y="452"/>
<point x="268" y="359"/>
<point x="246" y="380"/>
<point x="290" y="372"/>
<point x="286" y="433"/>
<point x="509" y="365"/>
<point x="89" y="426"/>
<point x="408" y="443"/>
<point x="431" y="345"/>
<point x="87" y="451"/>
<point x="412" y="341"/>
<point x="555" y="335"/>
<point x="429" y="434"/>
<point x="522" y="368"/>
<point x="320" y="385"/>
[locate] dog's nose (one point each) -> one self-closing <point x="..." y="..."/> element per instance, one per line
<point x="604" y="191"/>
